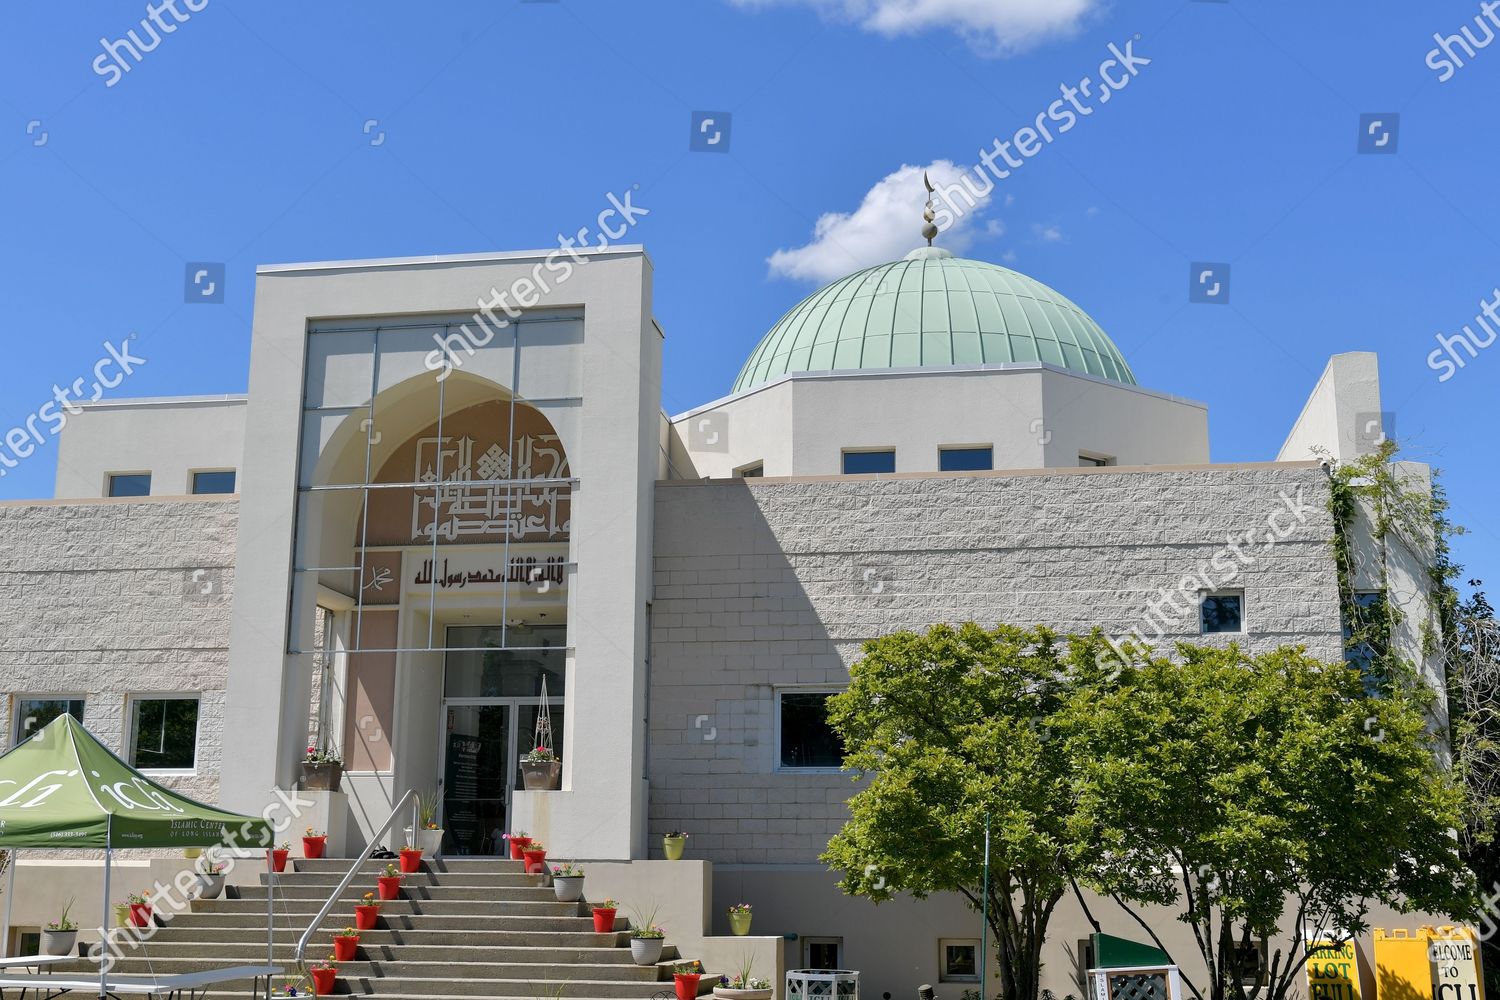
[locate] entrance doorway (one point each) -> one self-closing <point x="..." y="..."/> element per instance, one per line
<point x="490" y="707"/>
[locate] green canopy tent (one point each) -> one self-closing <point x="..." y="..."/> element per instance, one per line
<point x="62" y="789"/>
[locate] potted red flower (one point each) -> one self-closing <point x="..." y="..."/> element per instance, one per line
<point x="541" y="771"/>
<point x="518" y="842"/>
<point x="345" y="945"/>
<point x="411" y="859"/>
<point x="279" y="854"/>
<point x="314" y="843"/>
<point x="535" y="856"/>
<point x="685" y="979"/>
<point x="324" y="976"/>
<point x="604" y="915"/>
<point x="140" y="909"/>
<point x="367" y="912"/>
<point x="389" y="884"/>
<point x="322" y="769"/>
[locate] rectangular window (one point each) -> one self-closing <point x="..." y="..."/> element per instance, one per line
<point x="752" y="471"/>
<point x="164" y="733"/>
<point x="966" y="459"/>
<point x="806" y="740"/>
<point x="858" y="463"/>
<point x="34" y="713"/>
<point x="822" y="953"/>
<point x="1250" y="963"/>
<point x="959" y="960"/>
<point x="1094" y="461"/>
<point x="1373" y="625"/>
<point x="1222" y="613"/>
<point x="130" y="484"/>
<point x="213" y="482"/>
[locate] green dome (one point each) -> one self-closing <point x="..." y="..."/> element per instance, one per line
<point x="933" y="310"/>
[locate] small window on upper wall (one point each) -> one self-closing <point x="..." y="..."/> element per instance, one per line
<point x="805" y="737"/>
<point x="164" y="733"/>
<point x="959" y="959"/>
<point x="1094" y="461"/>
<point x="213" y="482"/>
<point x="864" y="462"/>
<point x="1222" y="613"/>
<point x="752" y="471"/>
<point x="130" y="484"/>
<point x="33" y="714"/>
<point x="966" y="459"/>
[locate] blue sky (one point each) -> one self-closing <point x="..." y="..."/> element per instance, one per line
<point x="282" y="131"/>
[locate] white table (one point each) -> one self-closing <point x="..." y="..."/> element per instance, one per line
<point x="189" y="985"/>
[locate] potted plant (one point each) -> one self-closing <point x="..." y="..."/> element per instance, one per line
<point x="604" y="915"/>
<point x="541" y="771"/>
<point x="672" y="844"/>
<point x="314" y="843"/>
<point x="517" y="842"/>
<point x="743" y="986"/>
<point x="739" y="918"/>
<point x="322" y="769"/>
<point x="211" y="879"/>
<point x="345" y="945"/>
<point x="279" y="854"/>
<point x="685" y="978"/>
<point x="140" y="909"/>
<point x="567" y="882"/>
<point x="324" y="976"/>
<point x="61" y="934"/>
<point x="367" y="912"/>
<point x="122" y="914"/>
<point x="646" y="939"/>
<point x="411" y="859"/>
<point x="389" y="884"/>
<point x="535" y="856"/>
<point x="430" y="836"/>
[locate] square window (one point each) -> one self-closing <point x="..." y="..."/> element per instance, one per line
<point x="805" y="739"/>
<point x="34" y="713"/>
<point x="130" y="484"/>
<point x="857" y="463"/>
<point x="164" y="733"/>
<point x="213" y="482"/>
<point x="966" y="459"/>
<point x="823" y="953"/>
<point x="959" y="960"/>
<point x="1222" y="613"/>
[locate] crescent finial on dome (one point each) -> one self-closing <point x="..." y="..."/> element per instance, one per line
<point x="929" y="227"/>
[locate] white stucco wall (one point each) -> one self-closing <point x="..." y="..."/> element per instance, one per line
<point x="1342" y="417"/>
<point x="169" y="438"/>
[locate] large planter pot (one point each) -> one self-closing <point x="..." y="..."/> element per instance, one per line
<point x="687" y="985"/>
<point x="739" y="921"/>
<point x="431" y="842"/>
<point x="365" y="917"/>
<point x="345" y="947"/>
<point x="323" y="981"/>
<point x="322" y="777"/>
<point x="541" y="776"/>
<point x="536" y="861"/>
<point x="278" y="859"/>
<point x="518" y="847"/>
<point x="389" y="887"/>
<point x="192" y="852"/>
<point x="646" y="951"/>
<point x="604" y="921"/>
<point x="209" y="886"/>
<point x="725" y="993"/>
<point x="672" y="847"/>
<point x="411" y="861"/>
<point x="122" y="914"/>
<point x="58" y="942"/>
<point x="569" y="888"/>
<point x="313" y="847"/>
<point x="140" y="914"/>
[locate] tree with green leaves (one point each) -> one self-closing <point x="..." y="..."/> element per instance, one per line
<point x="1262" y="796"/>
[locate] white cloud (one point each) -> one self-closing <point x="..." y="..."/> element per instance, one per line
<point x="994" y="228"/>
<point x="886" y="226"/>
<point x="1047" y="234"/>
<point x="994" y="27"/>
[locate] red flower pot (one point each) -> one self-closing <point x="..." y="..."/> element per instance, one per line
<point x="323" y="980"/>
<point x="411" y="861"/>
<point x="278" y="859"/>
<point x="517" y="845"/>
<point x="140" y="914"/>
<point x="313" y="847"/>
<point x="687" y="985"/>
<point x="389" y="886"/>
<point x="344" y="947"/>
<point x="536" y="861"/>
<point x="604" y="921"/>
<point x="365" y="917"/>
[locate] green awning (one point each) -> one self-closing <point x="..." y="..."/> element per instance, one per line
<point x="1112" y="952"/>
<point x="62" y="789"/>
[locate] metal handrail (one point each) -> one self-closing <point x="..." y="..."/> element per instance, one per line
<point x="317" y="921"/>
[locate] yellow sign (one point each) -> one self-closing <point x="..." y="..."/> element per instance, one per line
<point x="1429" y="964"/>
<point x="1332" y="971"/>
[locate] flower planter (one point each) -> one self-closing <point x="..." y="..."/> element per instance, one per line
<point x="210" y="886"/>
<point x="58" y="942"/>
<point x="192" y="852"/>
<point x="365" y="917"/>
<point x="122" y="914"/>
<point x="278" y="859"/>
<point x="536" y="861"/>
<point x="389" y="887"/>
<point x="646" y="951"/>
<point x="140" y="914"/>
<point x="687" y="985"/>
<point x="411" y="861"/>
<point x="322" y="777"/>
<point x="313" y="847"/>
<point x="672" y="847"/>
<point x="323" y="981"/>
<point x="726" y="993"/>
<point x="517" y="846"/>
<point x="604" y="921"/>
<point x="345" y="947"/>
<point x="542" y="775"/>
<point x="739" y="921"/>
<point x="431" y="842"/>
<point x="569" y="888"/>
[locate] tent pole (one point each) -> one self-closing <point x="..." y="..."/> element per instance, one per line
<point x="104" y="926"/>
<point x="270" y="918"/>
<point x="10" y="894"/>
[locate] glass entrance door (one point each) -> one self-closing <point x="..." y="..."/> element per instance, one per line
<point x="480" y="742"/>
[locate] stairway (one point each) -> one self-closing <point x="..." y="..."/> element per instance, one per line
<point x="462" y="928"/>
